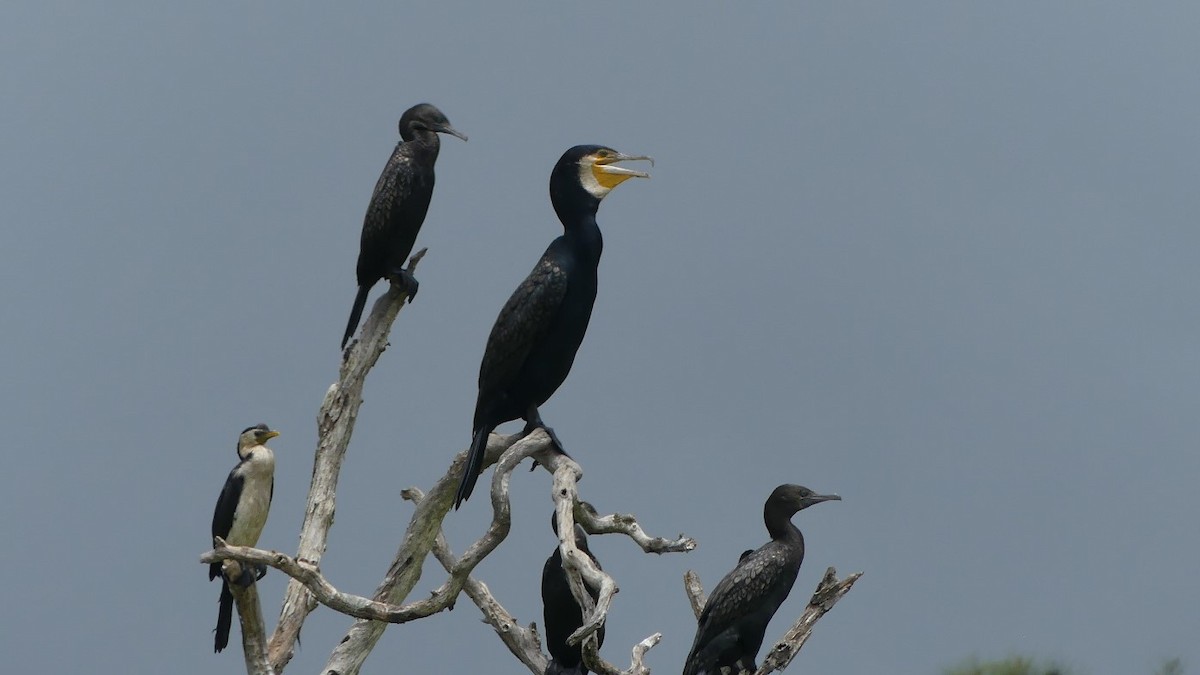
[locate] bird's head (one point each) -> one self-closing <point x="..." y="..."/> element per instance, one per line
<point x="585" y="174"/>
<point x="426" y="117"/>
<point x="798" y="497"/>
<point x="255" y="435"/>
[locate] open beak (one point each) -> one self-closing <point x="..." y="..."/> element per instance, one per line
<point x="447" y="129"/>
<point x="607" y="166"/>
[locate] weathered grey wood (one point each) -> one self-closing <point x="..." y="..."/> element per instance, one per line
<point x="828" y="592"/>
<point x="695" y="592"/>
<point x="335" y="425"/>
<point x="524" y="643"/>
<point x="254" y="632"/>
<point x="349" y="655"/>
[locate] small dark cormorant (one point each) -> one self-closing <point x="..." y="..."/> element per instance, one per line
<point x="241" y="513"/>
<point x="398" y="206"/>
<point x="561" y="613"/>
<point x="736" y="615"/>
<point x="533" y="342"/>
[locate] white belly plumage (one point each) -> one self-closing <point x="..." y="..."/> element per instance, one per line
<point x="251" y="514"/>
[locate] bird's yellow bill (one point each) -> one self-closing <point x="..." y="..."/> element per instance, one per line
<point x="609" y="175"/>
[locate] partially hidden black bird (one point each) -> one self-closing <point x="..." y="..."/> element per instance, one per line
<point x="398" y="206"/>
<point x="735" y="618"/>
<point x="533" y="342"/>
<point x="241" y="514"/>
<point x="561" y="613"/>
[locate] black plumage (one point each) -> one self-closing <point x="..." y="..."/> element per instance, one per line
<point x="562" y="614"/>
<point x="533" y="342"/>
<point x="735" y="618"/>
<point x="398" y="206"/>
<point x="241" y="513"/>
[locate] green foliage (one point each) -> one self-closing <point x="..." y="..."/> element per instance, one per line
<point x="1170" y="667"/>
<point x="1014" y="665"/>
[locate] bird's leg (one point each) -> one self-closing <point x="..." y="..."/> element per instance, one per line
<point x="533" y="422"/>
<point x="247" y="576"/>
<point x="405" y="281"/>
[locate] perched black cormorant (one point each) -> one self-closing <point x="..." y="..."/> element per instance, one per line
<point x="562" y="614"/>
<point x="533" y="342"/>
<point x="736" y="615"/>
<point x="398" y="206"/>
<point x="241" y="513"/>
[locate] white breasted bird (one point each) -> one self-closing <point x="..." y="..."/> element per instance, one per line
<point x="241" y="513"/>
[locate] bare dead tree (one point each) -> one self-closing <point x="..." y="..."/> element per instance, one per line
<point x="308" y="587"/>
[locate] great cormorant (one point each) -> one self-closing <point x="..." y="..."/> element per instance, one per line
<point x="398" y="206"/>
<point x="533" y="342"/>
<point x="736" y="615"/>
<point x="241" y="513"/>
<point x="562" y="614"/>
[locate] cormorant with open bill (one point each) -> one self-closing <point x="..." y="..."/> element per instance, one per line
<point x="533" y="342"/>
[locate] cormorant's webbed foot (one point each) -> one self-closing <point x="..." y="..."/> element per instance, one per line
<point x="247" y="576"/>
<point x="533" y="424"/>
<point x="405" y="281"/>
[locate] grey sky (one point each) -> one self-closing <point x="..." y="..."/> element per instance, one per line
<point x="938" y="257"/>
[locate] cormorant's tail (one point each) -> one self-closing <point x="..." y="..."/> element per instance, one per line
<point x="556" y="668"/>
<point x="474" y="466"/>
<point x="360" y="301"/>
<point x="224" y="617"/>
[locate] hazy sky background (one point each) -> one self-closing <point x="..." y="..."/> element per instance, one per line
<point x="938" y="257"/>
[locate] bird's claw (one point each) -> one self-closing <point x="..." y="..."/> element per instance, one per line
<point x="405" y="281"/>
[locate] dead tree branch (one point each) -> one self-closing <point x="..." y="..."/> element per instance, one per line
<point x="352" y="651"/>
<point x="524" y="643"/>
<point x="254" y="632"/>
<point x="335" y="424"/>
<point x="320" y="588"/>
<point x="828" y="592"/>
<point x="695" y="592"/>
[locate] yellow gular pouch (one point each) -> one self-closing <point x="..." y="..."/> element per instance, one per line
<point x="608" y="180"/>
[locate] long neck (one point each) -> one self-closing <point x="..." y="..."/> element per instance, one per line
<point x="424" y="142"/>
<point x="779" y="523"/>
<point x="584" y="237"/>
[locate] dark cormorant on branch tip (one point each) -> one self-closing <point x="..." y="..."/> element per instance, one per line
<point x="398" y="206"/>
<point x="736" y="615"/>
<point x="241" y="513"/>
<point x="533" y="342"/>
<point x="561" y="613"/>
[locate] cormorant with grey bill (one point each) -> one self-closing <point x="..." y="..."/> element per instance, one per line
<point x="533" y="342"/>
<point x="398" y="206"/>
<point x="736" y="615"/>
<point x="561" y="613"/>
<point x="241" y="513"/>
